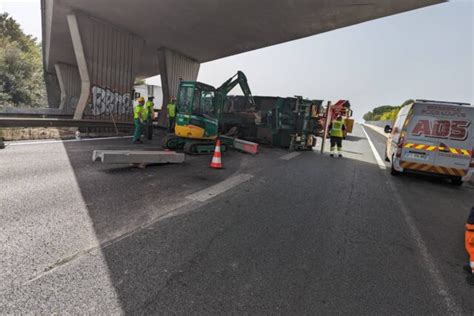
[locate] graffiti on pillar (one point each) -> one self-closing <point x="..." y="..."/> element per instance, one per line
<point x="106" y="102"/>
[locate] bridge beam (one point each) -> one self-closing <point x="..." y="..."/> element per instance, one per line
<point x="174" y="67"/>
<point x="107" y="60"/>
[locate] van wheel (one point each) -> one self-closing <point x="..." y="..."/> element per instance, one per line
<point x="457" y="181"/>
<point x="394" y="172"/>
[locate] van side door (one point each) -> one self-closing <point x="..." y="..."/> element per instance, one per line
<point x="395" y="138"/>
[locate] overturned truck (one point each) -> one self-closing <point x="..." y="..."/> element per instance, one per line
<point x="291" y="122"/>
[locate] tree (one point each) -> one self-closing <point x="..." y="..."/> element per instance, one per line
<point x="368" y="116"/>
<point x="385" y="112"/>
<point x="21" y="69"/>
<point x="377" y="113"/>
<point x="390" y="116"/>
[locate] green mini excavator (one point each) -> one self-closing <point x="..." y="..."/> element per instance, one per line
<point x="199" y="109"/>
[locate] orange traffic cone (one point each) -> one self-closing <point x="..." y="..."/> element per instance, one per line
<point x="216" y="162"/>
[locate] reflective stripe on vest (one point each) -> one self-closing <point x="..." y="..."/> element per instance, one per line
<point x="336" y="129"/>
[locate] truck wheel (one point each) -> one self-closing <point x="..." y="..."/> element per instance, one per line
<point x="457" y="181"/>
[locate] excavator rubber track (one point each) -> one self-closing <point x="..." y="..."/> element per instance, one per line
<point x="171" y="141"/>
<point x="201" y="147"/>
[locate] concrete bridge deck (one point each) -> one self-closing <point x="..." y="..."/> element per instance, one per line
<point x="94" y="50"/>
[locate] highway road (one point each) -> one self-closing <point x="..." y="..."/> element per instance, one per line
<point x="286" y="233"/>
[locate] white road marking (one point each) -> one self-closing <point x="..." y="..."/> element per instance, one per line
<point x="206" y="194"/>
<point x="99" y="246"/>
<point x="374" y="151"/>
<point x="64" y="141"/>
<point x="429" y="264"/>
<point x="185" y="206"/>
<point x="290" y="155"/>
<point x="377" y="129"/>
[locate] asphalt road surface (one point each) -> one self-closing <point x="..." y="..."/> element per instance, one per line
<point x="280" y="232"/>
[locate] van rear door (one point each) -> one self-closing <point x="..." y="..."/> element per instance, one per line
<point x="455" y="151"/>
<point x="417" y="147"/>
<point x="448" y="128"/>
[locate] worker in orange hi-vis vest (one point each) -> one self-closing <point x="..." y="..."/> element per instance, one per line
<point x="469" y="240"/>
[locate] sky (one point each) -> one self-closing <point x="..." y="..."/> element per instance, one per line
<point x="426" y="54"/>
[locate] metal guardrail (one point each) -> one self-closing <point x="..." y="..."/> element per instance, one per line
<point x="35" y="115"/>
<point x="59" y="122"/>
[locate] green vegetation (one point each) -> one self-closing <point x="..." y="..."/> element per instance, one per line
<point x="385" y="112"/>
<point x="21" y="68"/>
<point x="139" y="82"/>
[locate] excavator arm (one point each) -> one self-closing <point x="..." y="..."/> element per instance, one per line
<point x="238" y="79"/>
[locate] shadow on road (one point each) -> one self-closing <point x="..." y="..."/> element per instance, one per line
<point x="421" y="179"/>
<point x="352" y="152"/>
<point x="118" y="194"/>
<point x="354" y="138"/>
<point x="233" y="256"/>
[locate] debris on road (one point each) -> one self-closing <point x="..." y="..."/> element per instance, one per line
<point x="242" y="145"/>
<point x="139" y="158"/>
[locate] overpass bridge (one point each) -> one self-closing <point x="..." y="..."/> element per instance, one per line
<point x="94" y="50"/>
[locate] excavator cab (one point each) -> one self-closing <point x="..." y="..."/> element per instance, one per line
<point x="198" y="109"/>
<point x="197" y="116"/>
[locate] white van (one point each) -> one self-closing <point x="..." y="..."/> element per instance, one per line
<point x="433" y="137"/>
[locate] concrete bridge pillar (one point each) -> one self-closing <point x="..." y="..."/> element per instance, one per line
<point x="173" y="68"/>
<point x="52" y="90"/>
<point x="69" y="85"/>
<point x="107" y="62"/>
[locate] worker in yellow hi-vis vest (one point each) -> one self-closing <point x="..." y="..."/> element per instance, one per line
<point x="336" y="130"/>
<point x="139" y="115"/>
<point x="149" y="106"/>
<point x="171" y="107"/>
